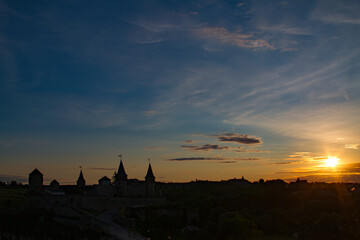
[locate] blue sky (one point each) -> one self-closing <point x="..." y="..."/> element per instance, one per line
<point x="206" y="89"/>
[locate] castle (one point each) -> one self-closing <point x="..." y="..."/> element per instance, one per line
<point x="121" y="187"/>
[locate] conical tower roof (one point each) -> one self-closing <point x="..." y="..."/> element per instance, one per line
<point x="81" y="177"/>
<point x="54" y="182"/>
<point x="36" y="172"/>
<point x="121" y="174"/>
<point x="104" y="178"/>
<point x="149" y="174"/>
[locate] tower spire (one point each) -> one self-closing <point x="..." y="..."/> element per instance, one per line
<point x="150" y="181"/>
<point x="121" y="174"/>
<point x="149" y="175"/>
<point x="81" y="180"/>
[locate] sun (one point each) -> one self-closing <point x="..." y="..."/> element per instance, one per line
<point x="331" y="161"/>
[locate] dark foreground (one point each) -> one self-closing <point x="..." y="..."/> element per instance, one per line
<point x="233" y="209"/>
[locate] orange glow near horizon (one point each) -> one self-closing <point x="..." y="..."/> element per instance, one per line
<point x="331" y="162"/>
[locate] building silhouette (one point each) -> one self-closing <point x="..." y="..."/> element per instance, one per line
<point x="121" y="187"/>
<point x="104" y="181"/>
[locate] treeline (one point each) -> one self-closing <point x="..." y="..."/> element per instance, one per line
<point x="262" y="210"/>
<point x="12" y="184"/>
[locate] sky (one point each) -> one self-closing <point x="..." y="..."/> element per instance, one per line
<point x="208" y="90"/>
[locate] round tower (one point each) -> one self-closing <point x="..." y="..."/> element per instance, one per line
<point x="36" y="180"/>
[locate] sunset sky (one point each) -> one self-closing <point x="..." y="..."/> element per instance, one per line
<point x="206" y="89"/>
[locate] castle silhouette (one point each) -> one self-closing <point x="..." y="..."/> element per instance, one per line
<point x="121" y="187"/>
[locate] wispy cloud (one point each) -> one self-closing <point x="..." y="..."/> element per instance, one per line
<point x="353" y="146"/>
<point x="339" y="19"/>
<point x="284" y="29"/>
<point x="151" y="112"/>
<point x="167" y="21"/>
<point x="286" y="99"/>
<point x="304" y="157"/>
<point x="337" y="12"/>
<point x="87" y="113"/>
<point x="315" y="117"/>
<point x="234" y="38"/>
<point x="310" y="122"/>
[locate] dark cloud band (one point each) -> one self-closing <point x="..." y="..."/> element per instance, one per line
<point x="238" y="138"/>
<point x="206" y="147"/>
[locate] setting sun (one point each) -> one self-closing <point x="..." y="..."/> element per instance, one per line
<point x="331" y="161"/>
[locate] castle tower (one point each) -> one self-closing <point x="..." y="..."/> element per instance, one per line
<point x="36" y="180"/>
<point x="81" y="181"/>
<point x="150" y="182"/>
<point x="121" y="180"/>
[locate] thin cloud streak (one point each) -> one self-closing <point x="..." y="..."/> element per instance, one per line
<point x="228" y="162"/>
<point x="289" y="162"/>
<point x="337" y="12"/>
<point x="101" y="168"/>
<point x="284" y="29"/>
<point x="353" y="146"/>
<point x="233" y="38"/>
